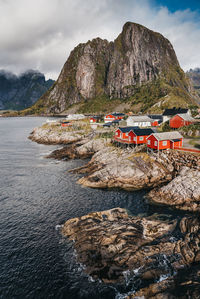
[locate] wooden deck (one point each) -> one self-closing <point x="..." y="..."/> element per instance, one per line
<point x="123" y="141"/>
<point x="192" y="150"/>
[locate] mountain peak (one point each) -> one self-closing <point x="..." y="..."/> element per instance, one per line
<point x="138" y="66"/>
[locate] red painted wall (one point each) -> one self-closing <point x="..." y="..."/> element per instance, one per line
<point x="125" y="136"/>
<point x="155" y="123"/>
<point x="177" y="122"/>
<point x="117" y="133"/>
<point x="169" y="144"/>
<point x="113" y="117"/>
<point x="159" y="143"/>
<point x="66" y="125"/>
<point x="177" y="144"/>
<point x="138" y="141"/>
<point x="94" y="120"/>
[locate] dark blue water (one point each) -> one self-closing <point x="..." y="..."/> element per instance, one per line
<point x="36" y="196"/>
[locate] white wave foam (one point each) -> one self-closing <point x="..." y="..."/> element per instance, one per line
<point x="58" y="226"/>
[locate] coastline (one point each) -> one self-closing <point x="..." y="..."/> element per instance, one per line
<point x="131" y="169"/>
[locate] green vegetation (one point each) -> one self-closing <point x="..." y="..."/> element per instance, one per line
<point x="100" y="104"/>
<point x="190" y="130"/>
<point x="165" y="127"/>
<point x="195" y="142"/>
<point x="106" y="135"/>
<point x="194" y="110"/>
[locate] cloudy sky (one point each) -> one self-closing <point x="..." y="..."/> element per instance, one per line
<point x="39" y="34"/>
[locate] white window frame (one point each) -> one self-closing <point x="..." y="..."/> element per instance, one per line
<point x="135" y="138"/>
<point x="148" y="142"/>
<point x="164" y="143"/>
<point x="156" y="143"/>
<point x="141" y="138"/>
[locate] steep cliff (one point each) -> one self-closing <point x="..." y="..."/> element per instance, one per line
<point x="194" y="75"/>
<point x="139" y="69"/>
<point x="20" y="92"/>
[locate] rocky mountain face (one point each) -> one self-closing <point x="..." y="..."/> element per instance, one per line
<point x="140" y="67"/>
<point x="20" y="92"/>
<point x="194" y="75"/>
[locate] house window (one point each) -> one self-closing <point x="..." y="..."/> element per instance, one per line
<point x="149" y="142"/>
<point x="135" y="138"/>
<point x="155" y="143"/>
<point x="164" y="143"/>
<point x="141" y="138"/>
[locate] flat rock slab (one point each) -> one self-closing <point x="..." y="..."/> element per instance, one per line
<point x="183" y="192"/>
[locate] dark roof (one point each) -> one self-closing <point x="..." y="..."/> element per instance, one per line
<point x="127" y="129"/>
<point x="175" y="111"/>
<point x="175" y="140"/>
<point x="95" y="116"/>
<point x="143" y="132"/>
<point x="115" y="121"/>
<point x="117" y="114"/>
<point x="107" y="124"/>
<point x="156" y="116"/>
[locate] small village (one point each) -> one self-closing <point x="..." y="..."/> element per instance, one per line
<point x="130" y="130"/>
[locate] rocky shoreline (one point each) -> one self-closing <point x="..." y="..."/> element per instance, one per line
<point x="113" y="244"/>
<point x="152" y="249"/>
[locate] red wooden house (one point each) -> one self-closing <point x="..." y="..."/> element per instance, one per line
<point x="94" y="119"/>
<point x="139" y="136"/>
<point x="113" y="116"/>
<point x="122" y="134"/>
<point x="66" y="124"/>
<point x="166" y="140"/>
<point x="181" y="120"/>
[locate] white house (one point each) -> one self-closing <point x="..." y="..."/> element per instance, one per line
<point x="140" y="121"/>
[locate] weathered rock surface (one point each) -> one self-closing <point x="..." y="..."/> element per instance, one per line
<point x="117" y="69"/>
<point x="110" y="168"/>
<point x="111" y="242"/>
<point x="183" y="192"/>
<point x="186" y="284"/>
<point x="51" y="135"/>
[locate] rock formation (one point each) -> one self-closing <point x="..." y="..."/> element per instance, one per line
<point x="52" y="134"/>
<point x="152" y="252"/>
<point x="183" y="192"/>
<point x="111" y="242"/>
<point x="122" y="69"/>
<point x="194" y="75"/>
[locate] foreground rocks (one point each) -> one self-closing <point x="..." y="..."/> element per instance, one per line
<point x="183" y="192"/>
<point x="111" y="242"/>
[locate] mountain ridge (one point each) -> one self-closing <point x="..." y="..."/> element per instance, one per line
<point x="139" y="70"/>
<point x="22" y="91"/>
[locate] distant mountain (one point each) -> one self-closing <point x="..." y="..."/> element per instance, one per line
<point x="194" y="75"/>
<point x="139" y="71"/>
<point x="20" y="92"/>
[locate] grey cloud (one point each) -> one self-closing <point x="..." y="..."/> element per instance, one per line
<point x="40" y="34"/>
